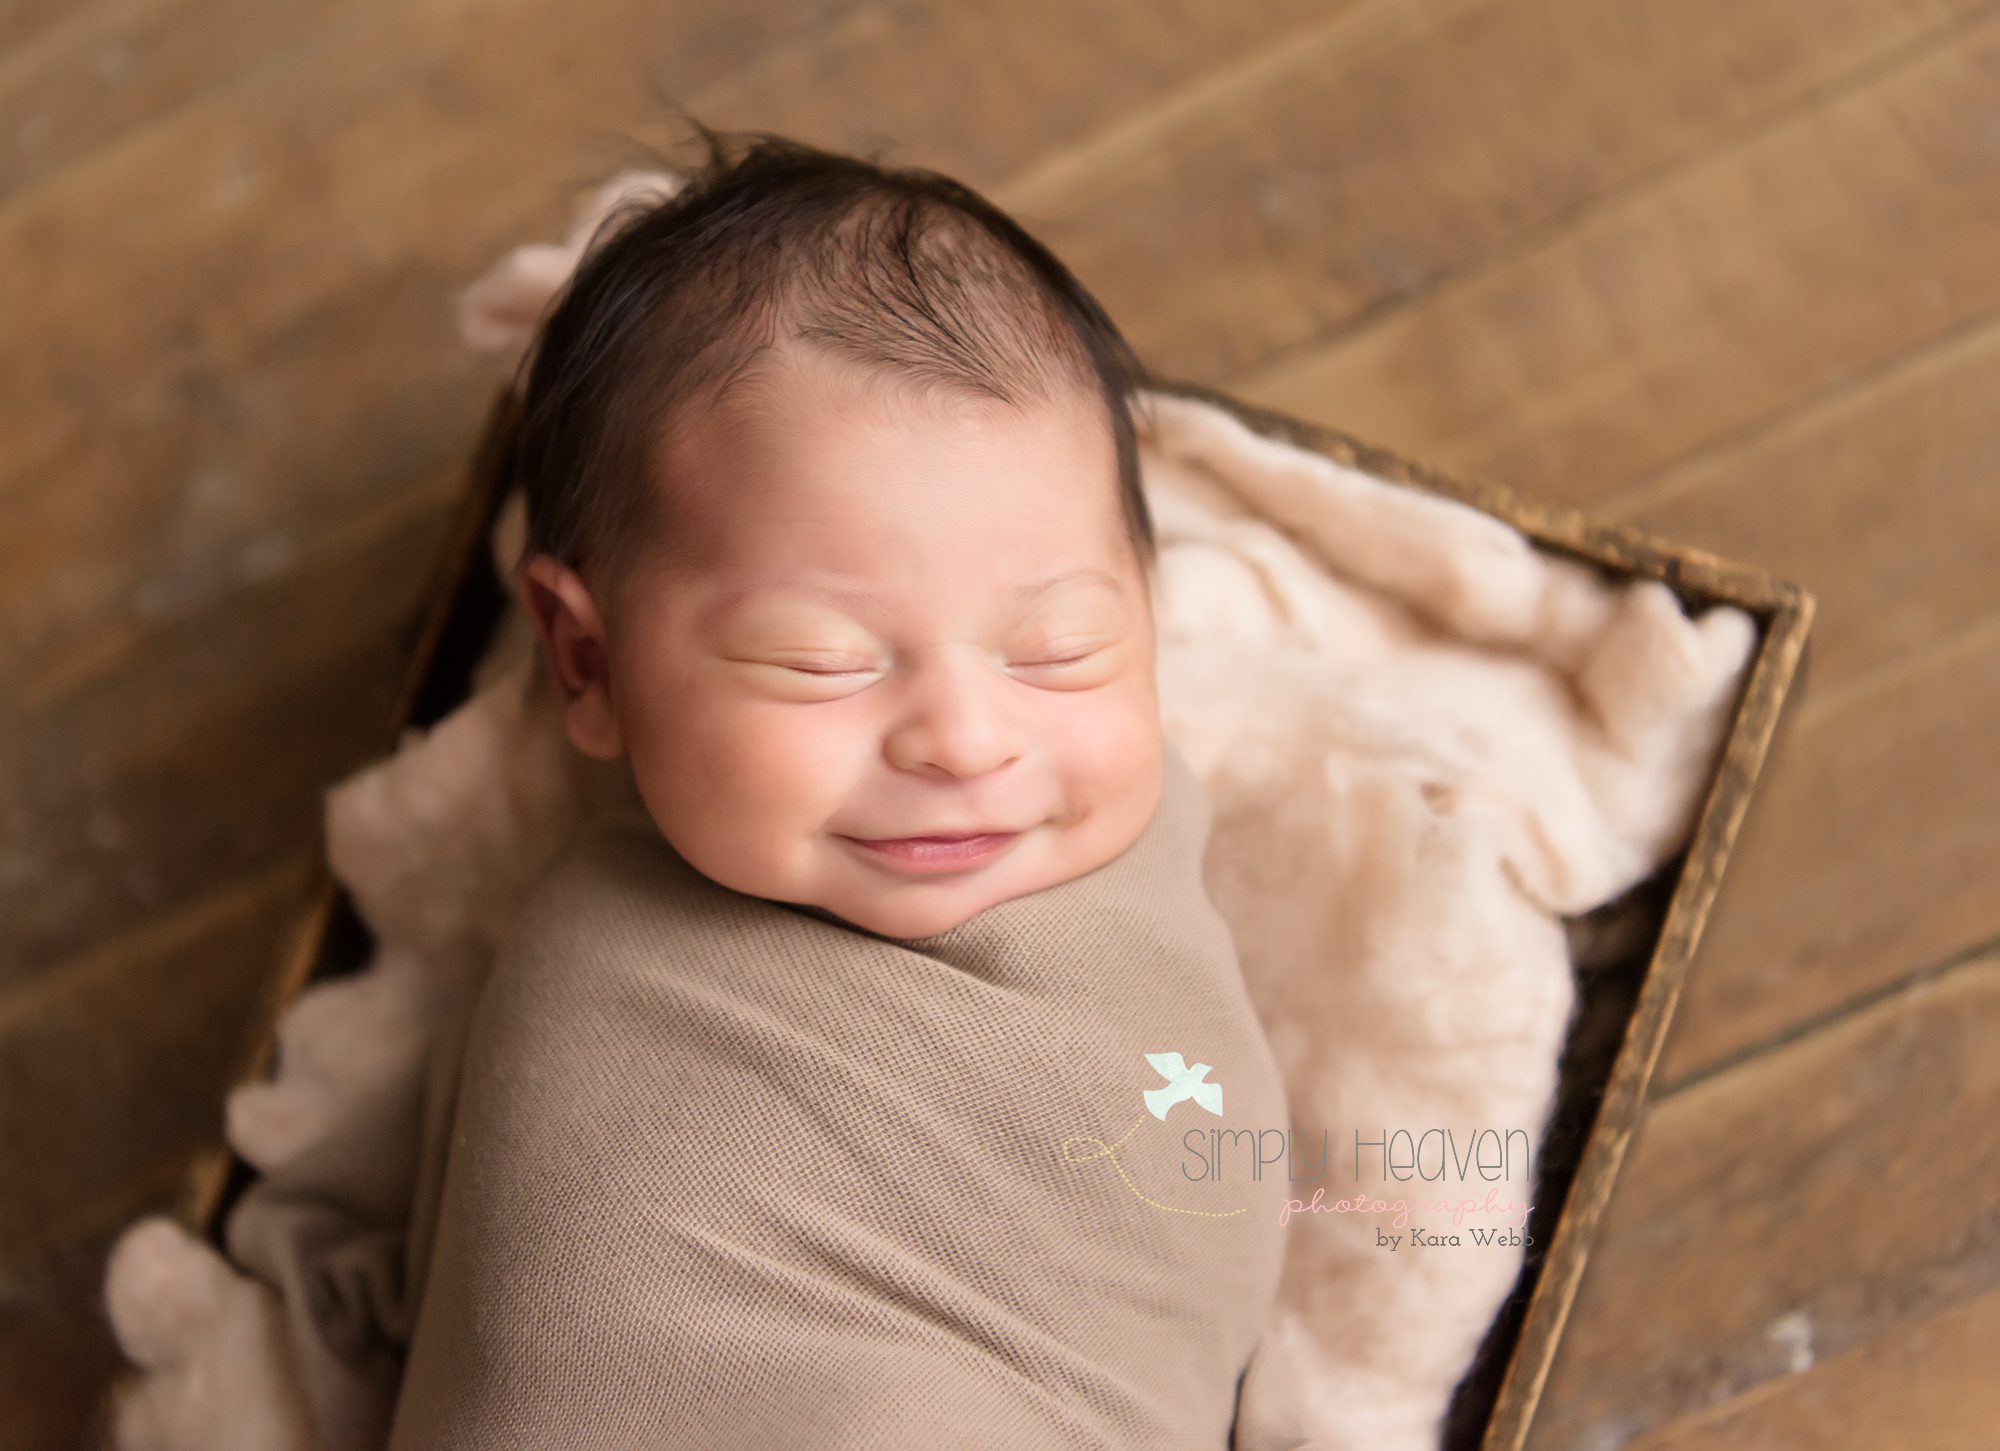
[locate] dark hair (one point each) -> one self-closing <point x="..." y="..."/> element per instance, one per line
<point x="676" y="298"/>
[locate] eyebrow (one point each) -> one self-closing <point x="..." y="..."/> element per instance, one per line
<point x="853" y="595"/>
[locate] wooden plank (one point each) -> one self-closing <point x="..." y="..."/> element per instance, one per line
<point x="26" y="21"/>
<point x="275" y="348"/>
<point x="1868" y="852"/>
<point x="205" y="755"/>
<point x="76" y="79"/>
<point x="1822" y="1196"/>
<point x="118" y="1064"/>
<point x="56" y="1347"/>
<point x="1696" y="305"/>
<point x="1929" y="1384"/>
<point x="119" y="554"/>
<point x="1368" y="170"/>
<point x="1912" y="449"/>
<point x="110" y="67"/>
<point x="990" y="92"/>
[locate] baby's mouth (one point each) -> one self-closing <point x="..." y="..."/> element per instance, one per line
<point x="936" y="853"/>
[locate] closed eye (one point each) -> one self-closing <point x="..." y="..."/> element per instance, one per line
<point x="1071" y="668"/>
<point x="828" y="672"/>
<point x="812" y="668"/>
<point x="1058" y="652"/>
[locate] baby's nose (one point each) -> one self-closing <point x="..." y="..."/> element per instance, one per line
<point x="955" y="717"/>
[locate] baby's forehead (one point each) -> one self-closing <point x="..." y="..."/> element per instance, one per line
<point x="788" y="463"/>
<point x="861" y="590"/>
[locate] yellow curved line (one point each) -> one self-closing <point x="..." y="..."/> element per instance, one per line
<point x="1111" y="1151"/>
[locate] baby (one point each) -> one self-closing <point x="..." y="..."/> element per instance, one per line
<point x="876" y="1072"/>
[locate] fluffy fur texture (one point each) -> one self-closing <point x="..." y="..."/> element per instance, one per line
<point x="1427" y="745"/>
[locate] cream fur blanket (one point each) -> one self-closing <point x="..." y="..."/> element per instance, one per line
<point x="1426" y="744"/>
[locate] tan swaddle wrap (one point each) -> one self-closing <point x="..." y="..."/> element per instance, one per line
<point x="725" y="1172"/>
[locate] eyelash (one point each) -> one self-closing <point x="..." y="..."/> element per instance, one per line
<point x="1027" y="665"/>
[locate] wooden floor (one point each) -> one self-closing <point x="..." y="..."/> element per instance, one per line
<point x="1728" y="270"/>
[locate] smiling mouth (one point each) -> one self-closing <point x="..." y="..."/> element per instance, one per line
<point x="936" y="853"/>
<point x="939" y="836"/>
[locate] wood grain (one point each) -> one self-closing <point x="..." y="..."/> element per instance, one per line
<point x="206" y="756"/>
<point x="28" y="20"/>
<point x="119" y="1065"/>
<point x="1794" y="1209"/>
<point x="112" y="1075"/>
<point x="56" y="1348"/>
<point x="1926" y="1385"/>
<point x="105" y="70"/>
<point x="1370" y="169"/>
<point x="1868" y="853"/>
<point x="1882" y="501"/>
<point x="275" y="351"/>
<point x="1689" y="308"/>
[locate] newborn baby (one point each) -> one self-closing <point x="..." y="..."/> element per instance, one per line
<point x="874" y="1071"/>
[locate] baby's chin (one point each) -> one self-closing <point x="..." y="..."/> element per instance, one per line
<point x="883" y="900"/>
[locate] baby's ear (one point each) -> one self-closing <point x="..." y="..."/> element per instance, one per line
<point x="571" y="630"/>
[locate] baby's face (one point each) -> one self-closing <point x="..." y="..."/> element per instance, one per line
<point x="903" y="619"/>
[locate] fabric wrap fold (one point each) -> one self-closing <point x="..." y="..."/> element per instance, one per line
<point x="728" y="1172"/>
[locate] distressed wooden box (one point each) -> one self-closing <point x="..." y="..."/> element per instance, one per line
<point x="1625" y="1006"/>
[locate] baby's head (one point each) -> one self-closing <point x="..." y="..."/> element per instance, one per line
<point x="836" y="538"/>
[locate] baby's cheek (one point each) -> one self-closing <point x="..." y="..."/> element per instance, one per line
<point x="779" y="763"/>
<point x="690" y="737"/>
<point x="1109" y="740"/>
<point x="740" y="797"/>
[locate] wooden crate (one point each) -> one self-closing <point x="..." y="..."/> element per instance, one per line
<point x="1624" y="1010"/>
